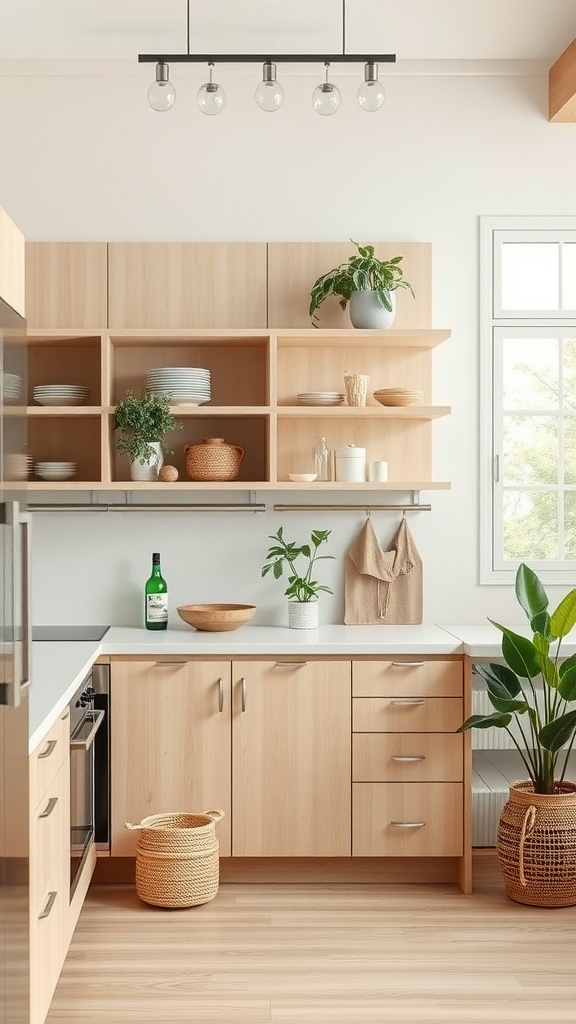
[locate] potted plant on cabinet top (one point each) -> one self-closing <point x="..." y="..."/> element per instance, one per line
<point x="536" y="841"/>
<point x="144" y="423"/>
<point x="367" y="283"/>
<point x="302" y="591"/>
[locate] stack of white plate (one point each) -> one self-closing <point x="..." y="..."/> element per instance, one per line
<point x="189" y="385"/>
<point x="11" y="387"/>
<point x="56" y="470"/>
<point x="16" y="466"/>
<point x="320" y="398"/>
<point x="61" y="394"/>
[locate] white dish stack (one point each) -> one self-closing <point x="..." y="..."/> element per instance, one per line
<point x="320" y="398"/>
<point x="61" y="394"/>
<point x="56" y="470"/>
<point x="11" y="387"/>
<point x="16" y="466"/>
<point x="181" y="385"/>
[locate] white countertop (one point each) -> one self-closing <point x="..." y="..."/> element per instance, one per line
<point x="57" y="671"/>
<point x="486" y="641"/>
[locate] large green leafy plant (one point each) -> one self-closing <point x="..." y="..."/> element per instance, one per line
<point x="140" y="421"/>
<point x="283" y="554"/>
<point x="536" y="686"/>
<point x="362" y="272"/>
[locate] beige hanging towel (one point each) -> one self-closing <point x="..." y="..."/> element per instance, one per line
<point x="382" y="587"/>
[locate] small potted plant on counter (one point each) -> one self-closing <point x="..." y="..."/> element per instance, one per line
<point x="302" y="591"/>
<point x="535" y="690"/>
<point x="367" y="283"/>
<point x="143" y="423"/>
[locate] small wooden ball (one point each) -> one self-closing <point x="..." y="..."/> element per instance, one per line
<point x="168" y="474"/>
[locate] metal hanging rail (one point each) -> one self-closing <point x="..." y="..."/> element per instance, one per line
<point x="129" y="507"/>
<point x="415" y="507"/>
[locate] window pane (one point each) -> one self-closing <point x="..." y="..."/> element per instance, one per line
<point x="530" y="275"/>
<point x="569" y="275"/>
<point x="570" y="450"/>
<point x="530" y="450"/>
<point x="530" y="525"/>
<point x="530" y="373"/>
<point x="569" y="373"/>
<point x="570" y="525"/>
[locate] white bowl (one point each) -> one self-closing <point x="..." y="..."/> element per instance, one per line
<point x="302" y="478"/>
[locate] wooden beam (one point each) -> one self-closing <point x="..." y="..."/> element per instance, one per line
<point x="562" y="86"/>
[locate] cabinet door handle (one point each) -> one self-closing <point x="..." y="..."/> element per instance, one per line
<point x="220" y="695"/>
<point x="408" y="824"/>
<point x="65" y="715"/>
<point x="243" y="694"/>
<point x="408" y="664"/>
<point x="408" y="757"/>
<point x="169" y="664"/>
<point x="48" y="906"/>
<point x="49" y="807"/>
<point x="291" y="664"/>
<point x="49" y="749"/>
<point x="407" y="703"/>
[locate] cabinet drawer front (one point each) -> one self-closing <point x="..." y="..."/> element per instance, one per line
<point x="49" y="834"/>
<point x="406" y="757"/>
<point x="407" y="677"/>
<point x="47" y="948"/>
<point x="395" y="820"/>
<point x="406" y="714"/>
<point x="47" y="759"/>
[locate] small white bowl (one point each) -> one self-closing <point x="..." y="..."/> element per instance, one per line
<point x="302" y="478"/>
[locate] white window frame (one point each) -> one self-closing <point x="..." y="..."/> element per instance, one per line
<point x="493" y="231"/>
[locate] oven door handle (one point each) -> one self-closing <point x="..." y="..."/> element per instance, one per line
<point x="96" y="717"/>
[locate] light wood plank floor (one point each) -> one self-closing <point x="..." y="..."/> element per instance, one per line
<point x="321" y="954"/>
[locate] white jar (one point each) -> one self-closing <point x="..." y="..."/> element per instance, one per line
<point x="351" y="464"/>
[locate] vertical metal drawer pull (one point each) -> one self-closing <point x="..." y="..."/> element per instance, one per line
<point x="408" y="664"/>
<point x="407" y="702"/>
<point x="408" y="824"/>
<point x="220" y="695"/>
<point x="49" y="807"/>
<point x="243" y="694"/>
<point x="49" y="904"/>
<point x="49" y="749"/>
<point x="408" y="757"/>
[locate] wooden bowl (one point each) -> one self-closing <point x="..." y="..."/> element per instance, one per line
<point x="216" y="618"/>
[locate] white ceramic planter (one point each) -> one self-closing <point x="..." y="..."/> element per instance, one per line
<point x="303" y="614"/>
<point x="367" y="313"/>
<point x="150" y="469"/>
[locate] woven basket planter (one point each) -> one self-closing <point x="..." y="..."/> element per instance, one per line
<point x="536" y="845"/>
<point x="177" y="859"/>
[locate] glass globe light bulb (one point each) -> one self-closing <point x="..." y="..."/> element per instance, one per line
<point x="371" y="95"/>
<point x="269" y="94"/>
<point x="211" y="97"/>
<point x="162" y="94"/>
<point x="326" y="97"/>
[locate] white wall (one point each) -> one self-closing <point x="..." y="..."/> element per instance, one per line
<point x="85" y="158"/>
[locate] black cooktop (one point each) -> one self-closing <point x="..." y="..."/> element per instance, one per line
<point x="69" y="632"/>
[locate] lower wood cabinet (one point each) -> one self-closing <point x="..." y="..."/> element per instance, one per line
<point x="170" y="737"/>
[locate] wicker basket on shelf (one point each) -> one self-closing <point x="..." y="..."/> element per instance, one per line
<point x="177" y="859"/>
<point x="214" y="459"/>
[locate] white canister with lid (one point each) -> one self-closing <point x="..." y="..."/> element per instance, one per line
<point x="351" y="464"/>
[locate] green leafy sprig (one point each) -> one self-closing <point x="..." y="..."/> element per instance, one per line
<point x="141" y="421"/>
<point x="283" y="554"/>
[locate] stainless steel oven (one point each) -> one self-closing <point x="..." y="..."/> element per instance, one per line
<point x="89" y="771"/>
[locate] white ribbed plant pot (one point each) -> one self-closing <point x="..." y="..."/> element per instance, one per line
<point x="367" y="313"/>
<point x="149" y="470"/>
<point x="303" y="614"/>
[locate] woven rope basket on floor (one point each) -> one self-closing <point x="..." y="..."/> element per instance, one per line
<point x="536" y="845"/>
<point x="177" y="859"/>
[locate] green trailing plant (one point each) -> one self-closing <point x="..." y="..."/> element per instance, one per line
<point x="141" y="421"/>
<point x="535" y="687"/>
<point x="283" y="555"/>
<point x="362" y="272"/>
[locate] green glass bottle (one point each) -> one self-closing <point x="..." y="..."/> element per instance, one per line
<point x="156" y="597"/>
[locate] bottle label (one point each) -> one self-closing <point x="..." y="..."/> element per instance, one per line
<point x="157" y="607"/>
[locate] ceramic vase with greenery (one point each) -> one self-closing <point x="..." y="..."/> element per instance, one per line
<point x="362" y="273"/>
<point x="302" y="590"/>
<point x="143" y="423"/>
<point x="536" y="691"/>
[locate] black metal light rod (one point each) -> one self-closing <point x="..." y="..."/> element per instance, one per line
<point x="262" y="58"/>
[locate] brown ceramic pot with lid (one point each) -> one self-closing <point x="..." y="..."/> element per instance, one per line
<point x="213" y="459"/>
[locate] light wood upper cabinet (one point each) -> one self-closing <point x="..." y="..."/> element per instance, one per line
<point x="293" y="267"/>
<point x="12" y="264"/>
<point x="291" y="756"/>
<point x="66" y="285"/>
<point x="170" y="743"/>
<point x="163" y="285"/>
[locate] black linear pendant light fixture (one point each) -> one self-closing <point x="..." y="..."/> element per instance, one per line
<point x="269" y="93"/>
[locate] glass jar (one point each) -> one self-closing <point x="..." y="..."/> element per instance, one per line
<point x="322" y="459"/>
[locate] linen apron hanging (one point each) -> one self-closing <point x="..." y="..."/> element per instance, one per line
<point x="383" y="587"/>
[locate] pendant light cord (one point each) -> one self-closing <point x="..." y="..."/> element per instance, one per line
<point x="343" y="27"/>
<point x="188" y="27"/>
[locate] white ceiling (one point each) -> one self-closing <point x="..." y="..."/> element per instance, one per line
<point x="416" y="30"/>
